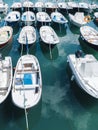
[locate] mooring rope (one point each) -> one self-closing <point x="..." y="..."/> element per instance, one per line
<point x="50" y="51"/>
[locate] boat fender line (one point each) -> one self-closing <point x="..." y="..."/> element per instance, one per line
<point x="87" y="18"/>
<point x="72" y="77"/>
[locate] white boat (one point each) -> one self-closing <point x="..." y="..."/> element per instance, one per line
<point x="57" y="17"/>
<point x="90" y="36"/>
<point x="96" y="17"/>
<point x="28" y="5"/>
<point x="43" y="17"/>
<point x="73" y="5"/>
<point x="39" y="6"/>
<point x="85" y="72"/>
<point x="78" y="19"/>
<point x="3" y="7"/>
<point x="50" y="6"/>
<point x="6" y="33"/>
<point x="27" y="35"/>
<point x="28" y="18"/>
<point x="12" y="18"/>
<point x="5" y="77"/>
<point x="63" y="7"/>
<point x="83" y="6"/>
<point x="27" y="82"/>
<point x="48" y="35"/>
<point x="16" y="6"/>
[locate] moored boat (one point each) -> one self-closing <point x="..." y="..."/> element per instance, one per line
<point x="28" y="18"/>
<point x="39" y="6"/>
<point x="78" y="19"/>
<point x="85" y="72"/>
<point x="90" y="36"/>
<point x="12" y="18"/>
<point x="48" y="35"/>
<point x="6" y="33"/>
<point x="27" y="83"/>
<point x="27" y="35"/>
<point x="57" y="17"/>
<point x="5" y="77"/>
<point x="43" y="18"/>
<point x="16" y="6"/>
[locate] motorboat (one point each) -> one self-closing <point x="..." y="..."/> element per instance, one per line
<point x="16" y="6"/>
<point x="6" y="76"/>
<point x="3" y="7"/>
<point x="39" y="6"/>
<point x="43" y="17"/>
<point x="90" y="36"/>
<point x="6" y="34"/>
<point x="57" y="17"/>
<point x="85" y="72"/>
<point x="27" y="82"/>
<point x="48" y="35"/>
<point x="28" y="18"/>
<point x="12" y="18"/>
<point x="28" y="5"/>
<point x="27" y="35"/>
<point x="79" y="19"/>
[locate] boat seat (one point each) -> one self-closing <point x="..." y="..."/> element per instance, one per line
<point x="2" y="93"/>
<point x="3" y="88"/>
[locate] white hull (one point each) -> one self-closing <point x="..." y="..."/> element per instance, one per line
<point x="85" y="73"/>
<point x="27" y="35"/>
<point x="58" y="18"/>
<point x="78" y="19"/>
<point x="48" y="35"/>
<point x="5" y="78"/>
<point x="27" y="82"/>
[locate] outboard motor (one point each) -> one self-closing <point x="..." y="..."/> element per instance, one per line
<point x="78" y="53"/>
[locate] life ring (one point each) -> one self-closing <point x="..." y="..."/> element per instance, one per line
<point x="87" y="18"/>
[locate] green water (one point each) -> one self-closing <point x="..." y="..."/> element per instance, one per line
<point x="64" y="106"/>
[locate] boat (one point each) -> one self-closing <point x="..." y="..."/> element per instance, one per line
<point x="48" y="35"/>
<point x="78" y="19"/>
<point x="5" y="77"/>
<point x="3" y="7"/>
<point x="16" y="6"/>
<point x="27" y="5"/>
<point x="12" y="18"/>
<point x="39" y="6"/>
<point x="27" y="34"/>
<point x="27" y="82"/>
<point x="57" y="17"/>
<point x="96" y="17"/>
<point x="6" y="33"/>
<point x="43" y="18"/>
<point x="73" y="5"/>
<point x="28" y="18"/>
<point x="50" y="7"/>
<point x="85" y="72"/>
<point x="90" y="36"/>
<point x="84" y="7"/>
<point x="64" y="8"/>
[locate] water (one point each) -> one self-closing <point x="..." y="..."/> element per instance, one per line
<point x="64" y="106"/>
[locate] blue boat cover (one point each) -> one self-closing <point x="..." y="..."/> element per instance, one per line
<point x="27" y="79"/>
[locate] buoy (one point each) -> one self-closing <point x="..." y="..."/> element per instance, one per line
<point x="87" y="18"/>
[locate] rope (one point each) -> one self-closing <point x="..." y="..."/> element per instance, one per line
<point x="26" y="117"/>
<point x="50" y="51"/>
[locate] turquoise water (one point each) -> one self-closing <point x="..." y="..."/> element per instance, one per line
<point x="64" y="106"/>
